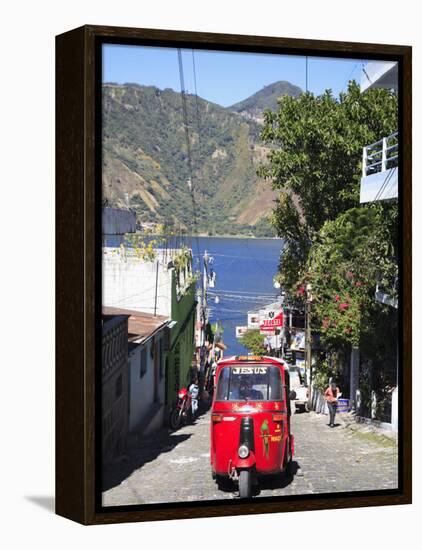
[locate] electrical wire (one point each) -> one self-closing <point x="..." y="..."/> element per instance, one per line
<point x="255" y="292"/>
<point x="256" y="260"/>
<point x="234" y="297"/>
<point x="384" y="185"/>
<point x="239" y="257"/>
<point x="306" y="74"/>
<point x="189" y="152"/>
<point x="350" y="75"/>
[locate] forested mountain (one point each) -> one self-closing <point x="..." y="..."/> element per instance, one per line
<point x="266" y="98"/>
<point x="145" y="162"/>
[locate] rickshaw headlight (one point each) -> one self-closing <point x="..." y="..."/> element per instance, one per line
<point x="243" y="451"/>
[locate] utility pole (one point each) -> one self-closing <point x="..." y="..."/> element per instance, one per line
<point x="203" y="313"/>
<point x="156" y="289"/>
<point x="205" y="279"/>
<point x="308" y="340"/>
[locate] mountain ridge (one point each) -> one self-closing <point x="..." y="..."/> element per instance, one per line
<point x="266" y="98"/>
<point x="145" y="162"/>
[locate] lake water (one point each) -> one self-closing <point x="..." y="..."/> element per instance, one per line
<point x="244" y="280"/>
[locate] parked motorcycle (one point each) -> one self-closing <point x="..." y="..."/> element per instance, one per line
<point x="182" y="409"/>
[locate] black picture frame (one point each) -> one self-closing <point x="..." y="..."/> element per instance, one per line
<point x="78" y="271"/>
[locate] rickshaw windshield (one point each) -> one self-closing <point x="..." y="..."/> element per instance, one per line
<point x="249" y="383"/>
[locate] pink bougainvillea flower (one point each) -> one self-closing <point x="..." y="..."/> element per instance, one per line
<point x="343" y="306"/>
<point x="337" y="298"/>
<point x="358" y="283"/>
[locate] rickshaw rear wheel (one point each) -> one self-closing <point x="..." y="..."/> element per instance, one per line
<point x="224" y="483"/>
<point x="290" y="468"/>
<point x="245" y="484"/>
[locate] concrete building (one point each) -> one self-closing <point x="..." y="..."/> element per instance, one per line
<point x="164" y="286"/>
<point x="380" y="172"/>
<point x="114" y="376"/>
<point x="379" y="182"/>
<point x="147" y="342"/>
<point x="379" y="74"/>
<point x="117" y="222"/>
<point x="114" y="385"/>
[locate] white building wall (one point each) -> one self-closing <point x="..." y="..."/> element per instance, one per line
<point x="130" y="283"/>
<point x="379" y="74"/>
<point x="141" y="398"/>
<point x="395" y="410"/>
<point x="380" y="186"/>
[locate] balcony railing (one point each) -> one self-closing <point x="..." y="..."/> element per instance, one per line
<point x="381" y="155"/>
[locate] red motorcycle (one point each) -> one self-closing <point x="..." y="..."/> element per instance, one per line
<point x="182" y="409"/>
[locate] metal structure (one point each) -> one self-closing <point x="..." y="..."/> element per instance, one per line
<point x="381" y="155"/>
<point x="380" y="170"/>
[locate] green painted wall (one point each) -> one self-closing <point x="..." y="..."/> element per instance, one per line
<point x="182" y="344"/>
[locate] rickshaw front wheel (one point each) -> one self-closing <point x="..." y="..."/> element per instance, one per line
<point x="245" y="484"/>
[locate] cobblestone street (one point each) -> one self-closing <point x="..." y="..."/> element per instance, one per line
<point x="176" y="467"/>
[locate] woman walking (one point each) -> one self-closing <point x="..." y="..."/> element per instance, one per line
<point x="332" y="394"/>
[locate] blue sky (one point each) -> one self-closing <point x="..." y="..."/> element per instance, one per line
<point x="224" y="77"/>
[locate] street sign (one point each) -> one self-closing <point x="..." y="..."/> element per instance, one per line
<point x="240" y="331"/>
<point x="270" y="319"/>
<point x="298" y="341"/>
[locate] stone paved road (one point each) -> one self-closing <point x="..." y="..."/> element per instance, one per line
<point x="175" y="467"/>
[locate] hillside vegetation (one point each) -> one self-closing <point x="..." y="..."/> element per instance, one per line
<point x="145" y="162"/>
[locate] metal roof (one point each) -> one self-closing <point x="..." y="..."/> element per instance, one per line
<point x="141" y="325"/>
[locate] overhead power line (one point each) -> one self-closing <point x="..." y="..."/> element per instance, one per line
<point x="188" y="149"/>
<point x="254" y="292"/>
<point x="384" y="185"/>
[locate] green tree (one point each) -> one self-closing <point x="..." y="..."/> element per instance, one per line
<point x="315" y="163"/>
<point x="253" y="341"/>
<point x="351" y="255"/>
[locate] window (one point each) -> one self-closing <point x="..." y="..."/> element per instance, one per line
<point x="144" y="363"/>
<point x="249" y="383"/>
<point x="119" y="387"/>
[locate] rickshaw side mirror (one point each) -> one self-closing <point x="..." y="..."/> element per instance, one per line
<point x="292" y="395"/>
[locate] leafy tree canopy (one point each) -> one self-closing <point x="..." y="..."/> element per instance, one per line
<point x="351" y="255"/>
<point x="315" y="162"/>
<point x="253" y="341"/>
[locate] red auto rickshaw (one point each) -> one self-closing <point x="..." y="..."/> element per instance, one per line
<point x="250" y="420"/>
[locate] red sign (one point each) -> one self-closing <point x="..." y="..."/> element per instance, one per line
<point x="270" y="320"/>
